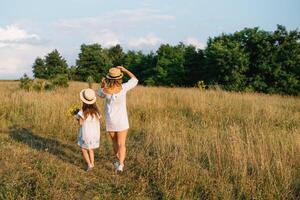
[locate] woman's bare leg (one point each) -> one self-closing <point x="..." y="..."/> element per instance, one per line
<point x="91" y="156"/>
<point x="121" y="146"/>
<point x="86" y="156"/>
<point x="114" y="138"/>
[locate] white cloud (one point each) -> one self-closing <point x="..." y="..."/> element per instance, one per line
<point x="12" y="34"/>
<point x="105" y="37"/>
<point x="18" y="49"/>
<point x="147" y="41"/>
<point x="195" y="42"/>
<point x="114" y="28"/>
<point x="115" y="20"/>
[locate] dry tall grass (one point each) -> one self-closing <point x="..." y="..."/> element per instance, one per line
<point x="183" y="144"/>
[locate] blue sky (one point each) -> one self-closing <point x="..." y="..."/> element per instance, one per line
<point x="33" y="28"/>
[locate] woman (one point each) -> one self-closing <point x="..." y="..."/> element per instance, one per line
<point x="116" y="118"/>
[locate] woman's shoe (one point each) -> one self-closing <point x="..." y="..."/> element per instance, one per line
<point x="89" y="168"/>
<point x="116" y="164"/>
<point x="120" y="168"/>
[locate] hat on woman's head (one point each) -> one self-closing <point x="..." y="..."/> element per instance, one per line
<point x="88" y="96"/>
<point x="114" y="73"/>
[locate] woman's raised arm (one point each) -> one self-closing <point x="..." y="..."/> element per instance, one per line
<point x="123" y="69"/>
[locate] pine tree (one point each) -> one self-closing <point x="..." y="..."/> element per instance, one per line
<point x="39" y="69"/>
<point x="55" y="64"/>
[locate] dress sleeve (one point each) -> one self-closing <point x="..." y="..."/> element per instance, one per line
<point x="101" y="93"/>
<point x="79" y="114"/>
<point x="130" y="84"/>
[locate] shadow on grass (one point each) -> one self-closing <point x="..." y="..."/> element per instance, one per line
<point x="65" y="152"/>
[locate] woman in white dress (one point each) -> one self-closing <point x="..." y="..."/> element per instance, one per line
<point x="116" y="118"/>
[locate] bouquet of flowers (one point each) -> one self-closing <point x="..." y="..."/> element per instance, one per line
<point x="73" y="110"/>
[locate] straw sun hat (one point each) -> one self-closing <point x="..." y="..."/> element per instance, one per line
<point x="114" y="73"/>
<point x="88" y="96"/>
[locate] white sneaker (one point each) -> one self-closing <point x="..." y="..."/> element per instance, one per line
<point x="116" y="164"/>
<point x="120" y="168"/>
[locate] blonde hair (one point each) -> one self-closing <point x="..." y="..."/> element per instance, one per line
<point x="110" y="83"/>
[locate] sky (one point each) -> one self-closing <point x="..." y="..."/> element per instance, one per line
<point x="33" y="28"/>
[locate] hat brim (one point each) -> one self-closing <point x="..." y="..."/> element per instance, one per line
<point x="115" y="78"/>
<point x="85" y="100"/>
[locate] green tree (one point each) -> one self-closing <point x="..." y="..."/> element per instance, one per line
<point x="55" y="64"/>
<point x="287" y="58"/>
<point x="39" y="69"/>
<point x="72" y="73"/>
<point x="93" y="61"/>
<point x="142" y="65"/>
<point x="170" y="69"/>
<point x="255" y="59"/>
<point x="226" y="63"/>
<point x="194" y="65"/>
<point x="116" y="55"/>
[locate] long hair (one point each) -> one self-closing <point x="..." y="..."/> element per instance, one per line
<point x="110" y="83"/>
<point x="90" y="109"/>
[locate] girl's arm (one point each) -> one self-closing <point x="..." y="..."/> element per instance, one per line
<point x="80" y="121"/>
<point x="79" y="117"/>
<point x="123" y="69"/>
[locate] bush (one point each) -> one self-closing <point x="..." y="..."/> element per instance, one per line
<point x="60" y="80"/>
<point x="215" y="87"/>
<point x="26" y="82"/>
<point x="39" y="84"/>
<point x="90" y="81"/>
<point x="201" y="85"/>
<point x="49" y="86"/>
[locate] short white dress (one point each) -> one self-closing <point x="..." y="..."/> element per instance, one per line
<point x="116" y="118"/>
<point x="89" y="132"/>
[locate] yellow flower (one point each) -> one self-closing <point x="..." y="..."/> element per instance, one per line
<point x="72" y="110"/>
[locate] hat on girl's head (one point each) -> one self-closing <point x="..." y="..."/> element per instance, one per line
<point x="114" y="73"/>
<point x="88" y="96"/>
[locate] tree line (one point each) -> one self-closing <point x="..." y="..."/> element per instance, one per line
<point x="248" y="60"/>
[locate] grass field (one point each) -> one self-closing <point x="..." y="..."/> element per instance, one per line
<point x="183" y="144"/>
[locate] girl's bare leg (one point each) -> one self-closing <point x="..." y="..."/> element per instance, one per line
<point x="114" y="138"/>
<point x="91" y="156"/>
<point x="121" y="146"/>
<point x="86" y="156"/>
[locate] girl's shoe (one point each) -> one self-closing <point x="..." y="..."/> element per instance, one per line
<point x="120" y="168"/>
<point x="116" y="164"/>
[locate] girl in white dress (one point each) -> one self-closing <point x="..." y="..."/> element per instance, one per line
<point x="116" y="118"/>
<point x="89" y="132"/>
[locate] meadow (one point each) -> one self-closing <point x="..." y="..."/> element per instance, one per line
<point x="183" y="144"/>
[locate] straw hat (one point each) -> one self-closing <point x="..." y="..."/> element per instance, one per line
<point x="88" y="96"/>
<point x="114" y="73"/>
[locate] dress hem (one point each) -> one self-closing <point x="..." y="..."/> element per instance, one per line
<point x="117" y="130"/>
<point x="85" y="147"/>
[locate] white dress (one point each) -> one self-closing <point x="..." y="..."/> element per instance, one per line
<point x="116" y="118"/>
<point x="89" y="132"/>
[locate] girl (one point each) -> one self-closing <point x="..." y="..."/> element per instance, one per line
<point x="115" y="110"/>
<point x="89" y="132"/>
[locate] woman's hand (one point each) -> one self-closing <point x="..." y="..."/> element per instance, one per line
<point x="123" y="69"/>
<point x="102" y="83"/>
